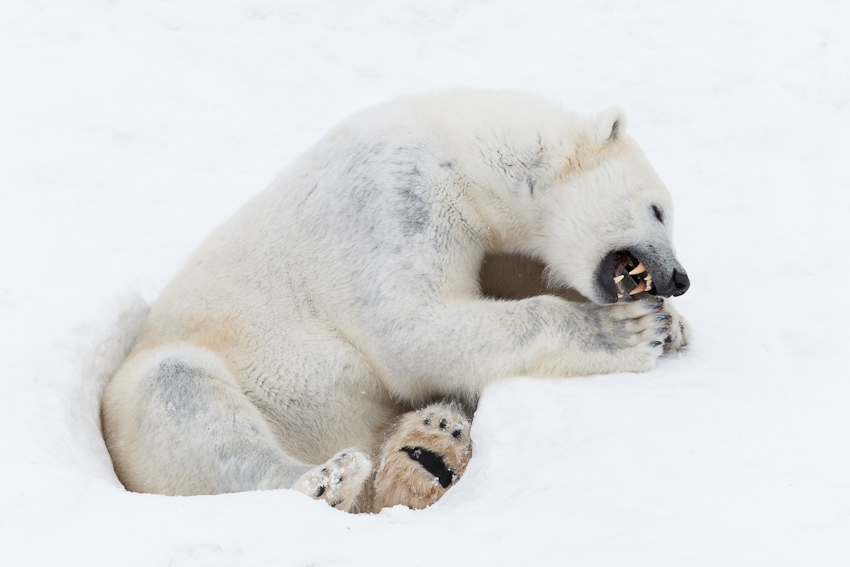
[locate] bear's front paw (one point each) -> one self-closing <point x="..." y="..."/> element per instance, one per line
<point x="643" y="330"/>
<point x="680" y="331"/>
<point x="339" y="481"/>
<point x="426" y="454"/>
<point x="635" y="332"/>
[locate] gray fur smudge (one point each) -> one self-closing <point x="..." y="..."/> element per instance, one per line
<point x="179" y="386"/>
<point x="415" y="212"/>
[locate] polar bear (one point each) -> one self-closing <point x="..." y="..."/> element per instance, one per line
<point x="420" y="251"/>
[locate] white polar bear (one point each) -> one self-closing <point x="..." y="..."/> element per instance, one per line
<point x="422" y="250"/>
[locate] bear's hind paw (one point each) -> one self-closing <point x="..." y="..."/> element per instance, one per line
<point x="426" y="454"/>
<point x="339" y="481"/>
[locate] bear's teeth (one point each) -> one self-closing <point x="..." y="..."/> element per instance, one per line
<point x="638" y="270"/>
<point x="618" y="279"/>
<point x="619" y="296"/>
<point x="638" y="289"/>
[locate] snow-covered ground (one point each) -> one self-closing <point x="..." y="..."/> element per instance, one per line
<point x="129" y="129"/>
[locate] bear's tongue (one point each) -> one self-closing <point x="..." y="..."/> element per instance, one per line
<point x="620" y="264"/>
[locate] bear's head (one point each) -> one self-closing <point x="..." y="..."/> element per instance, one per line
<point x="605" y="223"/>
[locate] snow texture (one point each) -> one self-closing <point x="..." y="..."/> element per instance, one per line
<point x="129" y="129"/>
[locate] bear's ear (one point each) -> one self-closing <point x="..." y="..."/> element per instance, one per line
<point x="609" y="125"/>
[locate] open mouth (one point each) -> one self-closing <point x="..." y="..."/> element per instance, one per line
<point x="631" y="277"/>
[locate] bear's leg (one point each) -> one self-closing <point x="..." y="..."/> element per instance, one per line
<point x="426" y="453"/>
<point x="176" y="422"/>
<point x="479" y="342"/>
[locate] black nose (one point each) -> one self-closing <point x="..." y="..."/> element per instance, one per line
<point x="681" y="283"/>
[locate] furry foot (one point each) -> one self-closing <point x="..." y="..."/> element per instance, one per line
<point x="680" y="332"/>
<point x="653" y="327"/>
<point x="339" y="481"/>
<point x="635" y="330"/>
<point x="426" y="454"/>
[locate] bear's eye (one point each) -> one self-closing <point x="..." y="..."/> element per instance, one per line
<point x="658" y="214"/>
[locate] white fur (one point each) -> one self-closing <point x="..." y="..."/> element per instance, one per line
<point x="348" y="292"/>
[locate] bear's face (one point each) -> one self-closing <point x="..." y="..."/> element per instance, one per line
<point x="607" y="217"/>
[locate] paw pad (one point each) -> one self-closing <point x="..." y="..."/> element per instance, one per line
<point x="426" y="454"/>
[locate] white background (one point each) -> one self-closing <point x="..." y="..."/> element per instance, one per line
<point x="129" y="129"/>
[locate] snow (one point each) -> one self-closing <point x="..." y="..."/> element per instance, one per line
<point x="128" y="130"/>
